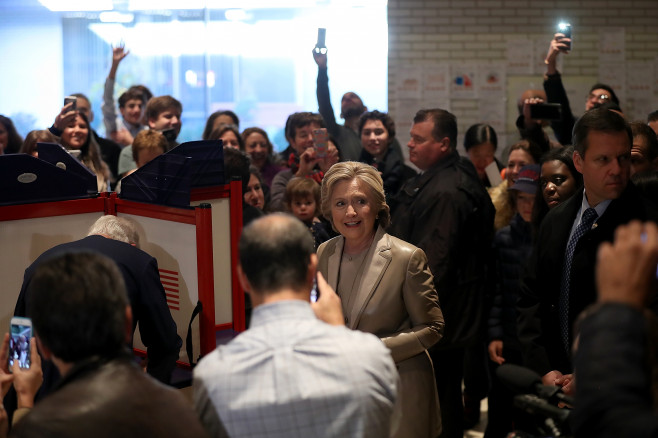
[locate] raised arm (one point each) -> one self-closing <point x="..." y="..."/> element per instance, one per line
<point x="555" y="91"/>
<point x="324" y="98"/>
<point x="108" y="106"/>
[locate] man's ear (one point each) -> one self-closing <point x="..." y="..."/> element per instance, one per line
<point x="578" y="161"/>
<point x="312" y="269"/>
<point x="45" y="351"/>
<point x="244" y="282"/>
<point x="445" y="144"/>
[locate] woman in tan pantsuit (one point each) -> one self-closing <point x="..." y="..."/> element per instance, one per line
<point x="386" y="288"/>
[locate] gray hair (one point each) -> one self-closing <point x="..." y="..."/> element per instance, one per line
<point x="116" y="228"/>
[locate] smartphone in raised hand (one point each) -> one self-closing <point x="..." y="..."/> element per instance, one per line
<point x="19" y="342"/>
<point x="565" y="29"/>
<point x="320" y="46"/>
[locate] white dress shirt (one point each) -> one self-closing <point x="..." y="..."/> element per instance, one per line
<point x="292" y="375"/>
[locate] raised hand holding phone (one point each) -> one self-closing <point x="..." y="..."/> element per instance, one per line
<point x="19" y="343"/>
<point x="320" y="49"/>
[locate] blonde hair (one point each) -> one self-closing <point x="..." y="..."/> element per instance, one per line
<point x="350" y="170"/>
<point x="147" y="140"/>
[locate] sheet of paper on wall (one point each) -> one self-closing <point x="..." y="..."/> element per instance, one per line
<point x="492" y="80"/>
<point x="520" y="57"/>
<point x="639" y="79"/>
<point x="639" y="108"/>
<point x="436" y="86"/>
<point x="612" y="45"/>
<point x="614" y="75"/>
<point x="405" y="110"/>
<point x="408" y="83"/>
<point x="491" y="110"/>
<point x="463" y="80"/>
<point x="541" y="45"/>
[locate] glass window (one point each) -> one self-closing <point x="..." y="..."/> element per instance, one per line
<point x="251" y="56"/>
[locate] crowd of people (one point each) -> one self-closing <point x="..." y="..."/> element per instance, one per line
<point x="457" y="264"/>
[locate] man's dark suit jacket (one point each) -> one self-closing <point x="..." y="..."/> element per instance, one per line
<point x="447" y="212"/>
<point x="145" y="291"/>
<point x="538" y="324"/>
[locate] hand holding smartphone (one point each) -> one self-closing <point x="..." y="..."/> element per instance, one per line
<point x="320" y="142"/>
<point x="565" y="29"/>
<point x="73" y="100"/>
<point x="19" y="342"/>
<point x="320" y="47"/>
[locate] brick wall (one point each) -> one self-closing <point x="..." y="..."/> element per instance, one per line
<point x="448" y="31"/>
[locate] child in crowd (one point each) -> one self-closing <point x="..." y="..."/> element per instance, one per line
<point x="302" y="199"/>
<point x="146" y="146"/>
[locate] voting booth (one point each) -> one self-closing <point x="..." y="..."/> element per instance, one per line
<point x="192" y="230"/>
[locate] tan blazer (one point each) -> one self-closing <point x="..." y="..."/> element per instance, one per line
<point x="396" y="301"/>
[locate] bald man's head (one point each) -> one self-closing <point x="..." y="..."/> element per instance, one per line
<point x="275" y="253"/>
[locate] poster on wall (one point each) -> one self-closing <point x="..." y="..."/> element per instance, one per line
<point x="463" y="81"/>
<point x="491" y="111"/>
<point x="612" y="45"/>
<point x="405" y="110"/>
<point x="639" y="109"/>
<point x="520" y="59"/>
<point x="408" y="83"/>
<point x="436" y="86"/>
<point x="614" y="75"/>
<point x="491" y="80"/>
<point x="639" y="79"/>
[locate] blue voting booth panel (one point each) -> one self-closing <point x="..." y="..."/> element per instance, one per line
<point x="207" y="161"/>
<point x="56" y="155"/>
<point x="168" y="178"/>
<point x="26" y="179"/>
<point x="165" y="180"/>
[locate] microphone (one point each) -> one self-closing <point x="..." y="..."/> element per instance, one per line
<point x="521" y="380"/>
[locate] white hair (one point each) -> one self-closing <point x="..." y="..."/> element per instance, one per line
<point x="116" y="228"/>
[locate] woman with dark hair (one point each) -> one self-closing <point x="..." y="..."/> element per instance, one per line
<point x="10" y="139"/>
<point x="255" y="192"/>
<point x="377" y="131"/>
<point x="258" y="146"/>
<point x="217" y="118"/>
<point x="229" y="135"/>
<point x="481" y="142"/>
<point x="29" y="146"/>
<point x="558" y="182"/>
<point x="76" y="136"/>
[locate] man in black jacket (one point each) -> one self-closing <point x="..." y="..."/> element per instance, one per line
<point x="617" y="341"/>
<point x="559" y="282"/>
<point x="447" y="212"/>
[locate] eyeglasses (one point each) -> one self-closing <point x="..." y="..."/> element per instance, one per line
<point x="599" y="97"/>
